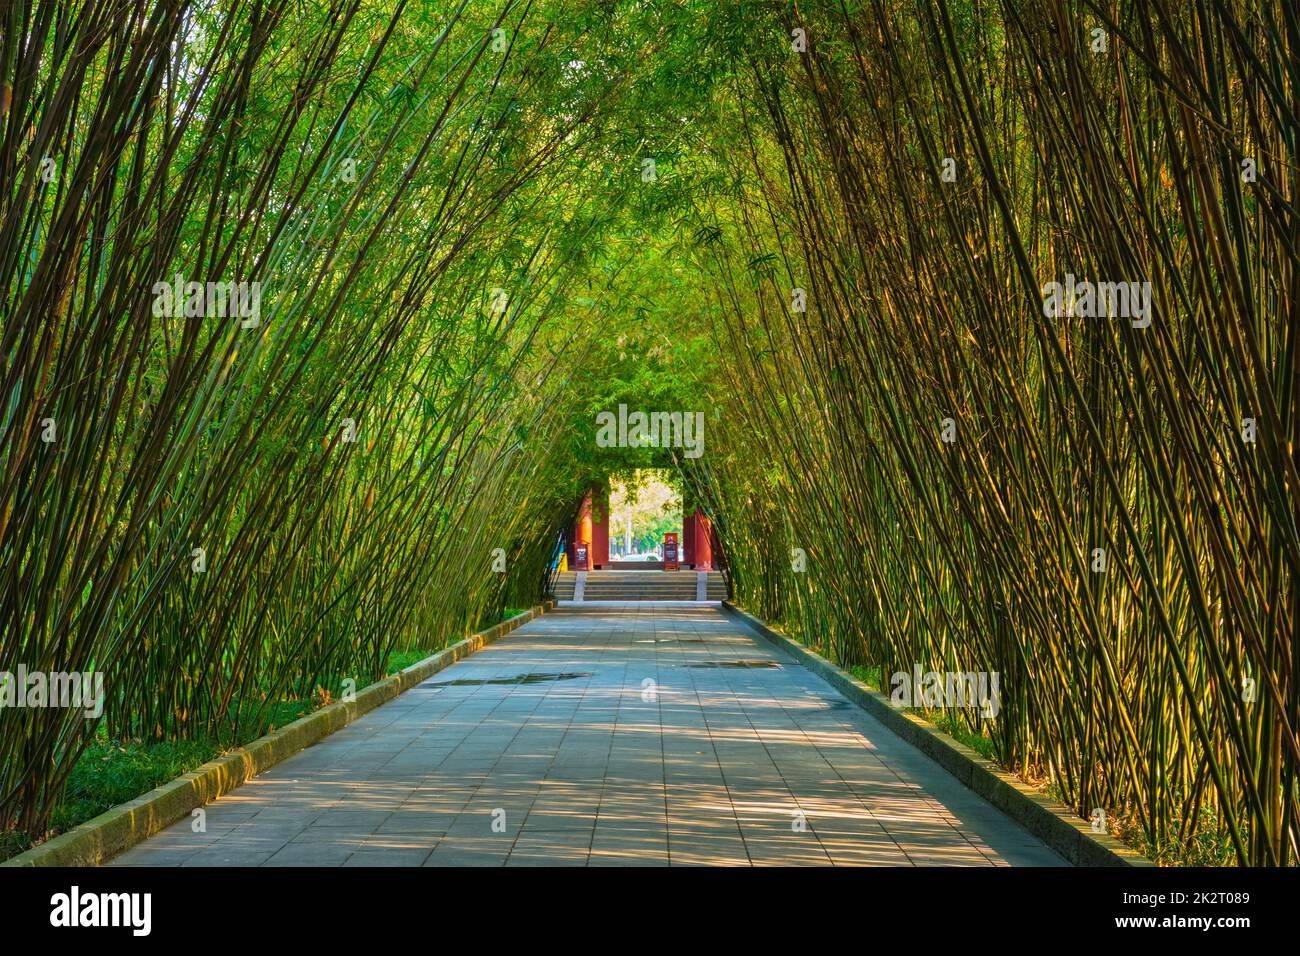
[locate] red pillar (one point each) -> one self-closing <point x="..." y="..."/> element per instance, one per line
<point x="581" y="532"/>
<point x="598" y="503"/>
<point x="688" y="539"/>
<point x="592" y="526"/>
<point x="701" y="537"/>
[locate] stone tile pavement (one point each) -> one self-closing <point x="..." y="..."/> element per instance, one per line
<point x="640" y="734"/>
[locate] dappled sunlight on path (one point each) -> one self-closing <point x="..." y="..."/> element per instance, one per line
<point x="593" y="736"/>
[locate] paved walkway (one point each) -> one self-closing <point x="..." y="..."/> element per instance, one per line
<point x="607" y="734"/>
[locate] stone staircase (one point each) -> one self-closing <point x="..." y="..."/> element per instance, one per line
<point x="641" y="586"/>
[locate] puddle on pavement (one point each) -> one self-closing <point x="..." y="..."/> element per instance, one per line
<point x="756" y="663"/>
<point x="669" y="640"/>
<point x="539" y="677"/>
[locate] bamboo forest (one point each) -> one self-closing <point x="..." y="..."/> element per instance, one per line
<point x="783" y="402"/>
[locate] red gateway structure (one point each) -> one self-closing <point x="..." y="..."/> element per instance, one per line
<point x="698" y="539"/>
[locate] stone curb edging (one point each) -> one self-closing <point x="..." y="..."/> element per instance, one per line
<point x="1046" y="819"/>
<point x="127" y="824"/>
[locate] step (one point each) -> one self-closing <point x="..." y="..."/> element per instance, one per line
<point x="682" y="585"/>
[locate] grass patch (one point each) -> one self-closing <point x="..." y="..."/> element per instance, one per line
<point x="951" y="725"/>
<point x="111" y="772"/>
<point x="399" y="661"/>
<point x="869" y="674"/>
